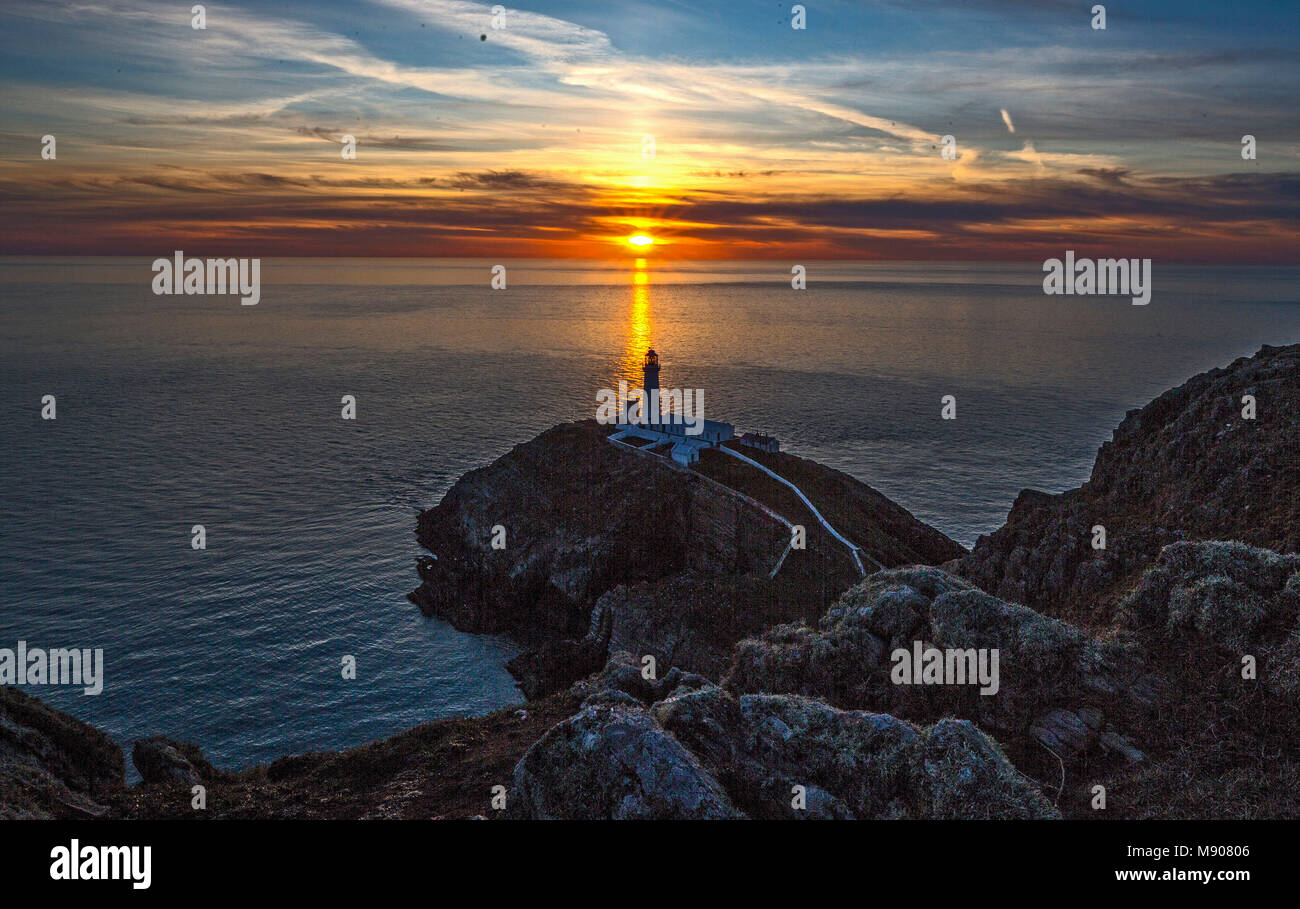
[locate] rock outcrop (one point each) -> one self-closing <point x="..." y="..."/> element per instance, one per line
<point x="1187" y="466"/>
<point x="685" y="748"/>
<point x="673" y="563"/>
<point x="1055" y="684"/>
<point x="1216" y="603"/>
<point x="51" y="765"/>
<point x="614" y="762"/>
<point x="162" y="760"/>
<point x="850" y="764"/>
<point x="556" y="664"/>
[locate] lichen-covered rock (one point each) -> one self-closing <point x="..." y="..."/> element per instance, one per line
<point x="613" y="762"/>
<point x="846" y="764"/>
<point x="706" y="754"/>
<point x="1223" y="601"/>
<point x="624" y="680"/>
<point x="1043" y="665"/>
<point x="968" y="776"/>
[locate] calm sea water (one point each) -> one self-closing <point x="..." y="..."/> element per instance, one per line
<point x="175" y="411"/>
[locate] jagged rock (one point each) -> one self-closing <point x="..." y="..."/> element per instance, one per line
<point x="622" y="673"/>
<point x="1068" y="733"/>
<point x="677" y="619"/>
<point x="1113" y="741"/>
<point x="613" y="762"/>
<point x="1221" y="601"/>
<point x="51" y="765"/>
<point x="1186" y="466"/>
<point x="1046" y="668"/>
<point x="852" y="764"/>
<point x="555" y="665"/>
<point x="622" y="680"/>
<point x="162" y="760"/>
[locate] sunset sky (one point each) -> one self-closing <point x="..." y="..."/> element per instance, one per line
<point x="768" y="141"/>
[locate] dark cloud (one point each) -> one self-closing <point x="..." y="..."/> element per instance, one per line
<point x="499" y="179"/>
<point x="400" y="143"/>
<point x="1112" y="175"/>
<point x="1230" y="217"/>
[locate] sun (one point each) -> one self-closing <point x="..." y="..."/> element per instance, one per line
<point x="641" y="240"/>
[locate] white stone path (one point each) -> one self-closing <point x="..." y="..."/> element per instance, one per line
<point x="853" y="548"/>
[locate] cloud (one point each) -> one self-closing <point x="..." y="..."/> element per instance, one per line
<point x="367" y="141"/>
<point x="1238" y="216"/>
<point x="496" y="180"/>
<point x="543" y="121"/>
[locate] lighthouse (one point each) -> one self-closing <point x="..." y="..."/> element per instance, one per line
<point x="676" y="429"/>
<point x="650" y="383"/>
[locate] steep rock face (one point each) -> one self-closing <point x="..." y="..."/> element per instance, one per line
<point x="672" y="563"/>
<point x="554" y="664"/>
<point x="684" y="748"/>
<point x="1055" y="684"/>
<point x="579" y="517"/>
<point x="1186" y="466"/>
<point x="51" y="765"/>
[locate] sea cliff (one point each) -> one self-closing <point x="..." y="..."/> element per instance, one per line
<point x="686" y="663"/>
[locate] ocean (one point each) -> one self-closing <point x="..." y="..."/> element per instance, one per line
<point x="174" y="411"/>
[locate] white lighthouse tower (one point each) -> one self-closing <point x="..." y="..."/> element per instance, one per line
<point x="680" y="431"/>
<point x="650" y="384"/>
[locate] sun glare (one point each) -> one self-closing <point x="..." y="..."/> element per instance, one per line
<point x="640" y="240"/>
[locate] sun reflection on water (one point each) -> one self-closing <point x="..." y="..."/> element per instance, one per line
<point x="639" y="327"/>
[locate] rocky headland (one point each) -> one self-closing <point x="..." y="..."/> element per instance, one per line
<point x="604" y="549"/>
<point x="1163" y="668"/>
